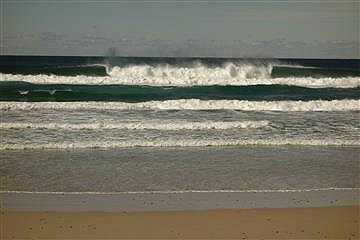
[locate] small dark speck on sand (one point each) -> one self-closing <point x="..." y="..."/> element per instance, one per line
<point x="30" y="228"/>
<point x="276" y="231"/>
<point x="268" y="219"/>
<point x="70" y="226"/>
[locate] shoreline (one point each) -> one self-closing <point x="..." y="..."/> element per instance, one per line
<point x="176" y="200"/>
<point x="160" y="169"/>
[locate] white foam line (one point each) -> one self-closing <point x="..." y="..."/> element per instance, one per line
<point x="138" y="126"/>
<point x="185" y="191"/>
<point x="196" y="79"/>
<point x="176" y="143"/>
<point x="193" y="104"/>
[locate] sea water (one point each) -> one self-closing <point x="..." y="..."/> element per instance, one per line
<point x="81" y="123"/>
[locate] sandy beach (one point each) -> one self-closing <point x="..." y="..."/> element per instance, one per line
<point x="290" y="223"/>
<point x="286" y="214"/>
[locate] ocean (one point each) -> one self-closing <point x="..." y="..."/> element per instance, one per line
<point x="143" y="124"/>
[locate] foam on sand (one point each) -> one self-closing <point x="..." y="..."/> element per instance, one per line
<point x="192" y="104"/>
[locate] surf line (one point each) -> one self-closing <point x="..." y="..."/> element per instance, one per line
<point x="183" y="191"/>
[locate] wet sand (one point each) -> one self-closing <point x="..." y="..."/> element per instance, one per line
<point x="277" y="214"/>
<point x="285" y="223"/>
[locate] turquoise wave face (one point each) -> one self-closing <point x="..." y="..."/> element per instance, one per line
<point x="23" y="91"/>
<point x="279" y="71"/>
<point x="55" y="70"/>
<point x="97" y="66"/>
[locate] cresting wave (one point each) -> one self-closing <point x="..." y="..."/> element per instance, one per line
<point x="201" y="79"/>
<point x="196" y="71"/>
<point x="171" y="126"/>
<point x="178" y="143"/>
<point x="192" y="104"/>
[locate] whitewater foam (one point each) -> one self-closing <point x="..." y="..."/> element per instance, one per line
<point x="193" y="104"/>
<point x="197" y="71"/>
<point x="177" y="143"/>
<point x="170" y="126"/>
<point x="197" y="76"/>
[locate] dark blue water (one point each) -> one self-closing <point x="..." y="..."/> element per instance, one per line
<point x="43" y="78"/>
<point x="72" y="65"/>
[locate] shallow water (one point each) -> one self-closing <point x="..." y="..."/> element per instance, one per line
<point x="80" y="124"/>
<point x="88" y="128"/>
<point x="153" y="169"/>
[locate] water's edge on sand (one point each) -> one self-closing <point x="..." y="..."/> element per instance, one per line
<point x="176" y="200"/>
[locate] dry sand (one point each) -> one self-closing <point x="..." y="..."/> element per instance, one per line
<point x="285" y="223"/>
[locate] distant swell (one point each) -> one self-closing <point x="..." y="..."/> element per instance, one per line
<point x="178" y="143"/>
<point x="193" y="104"/>
<point x="167" y="126"/>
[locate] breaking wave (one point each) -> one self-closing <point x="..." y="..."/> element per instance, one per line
<point x="193" y="104"/>
<point x="197" y="71"/>
<point x="175" y="76"/>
